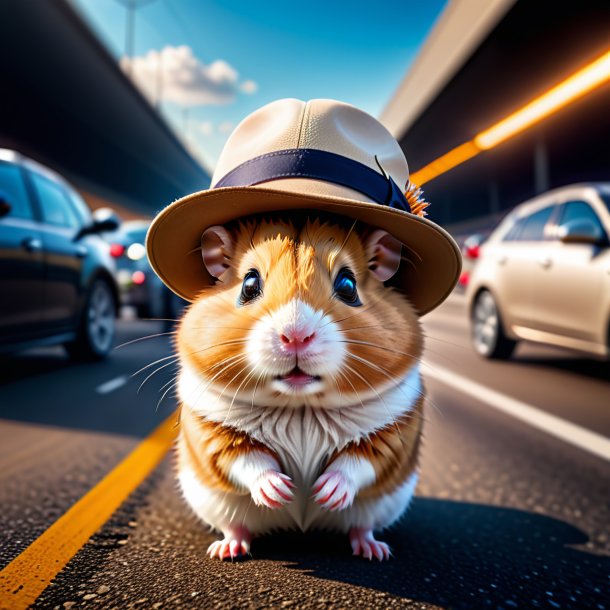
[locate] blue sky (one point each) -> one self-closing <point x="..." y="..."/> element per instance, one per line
<point x="222" y="60"/>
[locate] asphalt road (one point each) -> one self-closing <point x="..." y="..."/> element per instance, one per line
<point x="506" y="515"/>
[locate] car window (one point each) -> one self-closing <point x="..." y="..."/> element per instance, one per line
<point x="580" y="210"/>
<point x="82" y="209"/>
<point x="515" y="230"/>
<point x="533" y="228"/>
<point x="54" y="204"/>
<point x="12" y="189"/>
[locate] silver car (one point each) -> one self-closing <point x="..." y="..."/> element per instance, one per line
<point x="544" y="275"/>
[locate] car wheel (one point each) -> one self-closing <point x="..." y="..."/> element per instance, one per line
<point x="95" y="333"/>
<point x="488" y="335"/>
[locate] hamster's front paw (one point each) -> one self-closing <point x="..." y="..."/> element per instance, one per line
<point x="333" y="490"/>
<point x="272" y="489"/>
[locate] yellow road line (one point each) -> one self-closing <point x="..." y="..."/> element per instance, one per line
<point x="25" y="578"/>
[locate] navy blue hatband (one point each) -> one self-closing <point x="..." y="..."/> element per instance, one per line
<point x="317" y="165"/>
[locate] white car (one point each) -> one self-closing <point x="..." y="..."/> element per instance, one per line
<point x="544" y="275"/>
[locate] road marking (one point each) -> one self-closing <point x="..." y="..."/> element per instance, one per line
<point x="566" y="431"/>
<point x="112" y="385"/>
<point x="26" y="577"/>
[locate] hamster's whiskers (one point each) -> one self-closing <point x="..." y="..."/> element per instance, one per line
<point x="231" y="381"/>
<point x="355" y="372"/>
<point x="155" y="372"/>
<point x="391" y="377"/>
<point x="341" y="375"/>
<point x="153" y="364"/>
<point x="173" y="385"/>
<point x="245" y="379"/>
<point x="262" y="374"/>
<point x="173" y="332"/>
<point x="221" y="344"/>
<point x="382" y="347"/>
<point x="203" y="386"/>
<point x="400" y="383"/>
<point x="346" y="377"/>
<point x="344" y="330"/>
<point x="215" y="327"/>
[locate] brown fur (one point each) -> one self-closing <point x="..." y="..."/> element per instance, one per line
<point x="382" y="337"/>
<point x="393" y="451"/>
<point x="300" y="263"/>
<point x="209" y="449"/>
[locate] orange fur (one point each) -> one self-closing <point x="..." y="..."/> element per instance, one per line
<point x="209" y="450"/>
<point x="393" y="451"/>
<point x="382" y="338"/>
<point x="301" y="264"/>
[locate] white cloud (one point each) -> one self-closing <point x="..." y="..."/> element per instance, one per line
<point x="225" y="127"/>
<point x="206" y="128"/>
<point x="249" y="87"/>
<point x="176" y="75"/>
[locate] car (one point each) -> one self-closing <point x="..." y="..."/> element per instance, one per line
<point x="56" y="272"/>
<point x="544" y="275"/>
<point x="139" y="285"/>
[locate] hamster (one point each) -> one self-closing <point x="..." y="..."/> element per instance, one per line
<point x="301" y="398"/>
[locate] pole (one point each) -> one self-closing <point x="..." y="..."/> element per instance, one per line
<point x="131" y="7"/>
<point x="129" y="33"/>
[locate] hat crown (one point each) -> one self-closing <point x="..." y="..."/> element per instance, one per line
<point x="320" y="124"/>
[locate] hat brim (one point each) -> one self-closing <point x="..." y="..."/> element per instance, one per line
<point x="174" y="238"/>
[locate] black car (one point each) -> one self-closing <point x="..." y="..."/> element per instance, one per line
<point x="56" y="273"/>
<point x="139" y="285"/>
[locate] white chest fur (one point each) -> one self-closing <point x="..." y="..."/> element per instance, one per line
<point x="303" y="437"/>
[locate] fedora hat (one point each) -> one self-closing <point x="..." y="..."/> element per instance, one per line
<point x="321" y="155"/>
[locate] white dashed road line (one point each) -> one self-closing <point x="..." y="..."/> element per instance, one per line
<point x="112" y="385"/>
<point x="566" y="431"/>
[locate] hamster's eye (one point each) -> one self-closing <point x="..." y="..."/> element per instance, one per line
<point x="251" y="287"/>
<point x="345" y="288"/>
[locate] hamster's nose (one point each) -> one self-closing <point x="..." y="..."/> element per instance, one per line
<point x="295" y="340"/>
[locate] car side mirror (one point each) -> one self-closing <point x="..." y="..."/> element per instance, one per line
<point x="105" y="220"/>
<point x="580" y="232"/>
<point x="5" y="206"/>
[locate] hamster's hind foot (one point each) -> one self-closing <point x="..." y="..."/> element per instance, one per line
<point x="234" y="545"/>
<point x="364" y="544"/>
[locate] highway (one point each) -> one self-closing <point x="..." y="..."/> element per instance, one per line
<point x="507" y="515"/>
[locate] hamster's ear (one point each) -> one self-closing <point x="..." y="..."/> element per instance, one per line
<point x="216" y="251"/>
<point x="383" y="254"/>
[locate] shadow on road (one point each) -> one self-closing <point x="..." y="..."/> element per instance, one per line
<point x="462" y="555"/>
<point x="585" y="367"/>
<point x="33" y="363"/>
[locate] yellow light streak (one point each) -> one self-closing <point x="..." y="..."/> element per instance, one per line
<point x="579" y="84"/>
<point x="443" y="164"/>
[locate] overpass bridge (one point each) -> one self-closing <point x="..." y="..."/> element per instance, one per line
<point x="65" y="102"/>
<point x="482" y="62"/>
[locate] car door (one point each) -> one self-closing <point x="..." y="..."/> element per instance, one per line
<point x="63" y="254"/>
<point x="569" y="283"/>
<point x="21" y="258"/>
<point x="517" y="261"/>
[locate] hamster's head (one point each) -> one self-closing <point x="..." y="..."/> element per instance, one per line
<point x="299" y="314"/>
